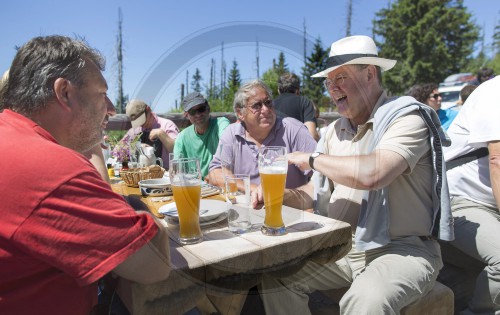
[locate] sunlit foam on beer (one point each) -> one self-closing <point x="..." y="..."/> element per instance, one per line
<point x="274" y="169"/>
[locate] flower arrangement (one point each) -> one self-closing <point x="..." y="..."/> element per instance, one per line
<point x="124" y="149"/>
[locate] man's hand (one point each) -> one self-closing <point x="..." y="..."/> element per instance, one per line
<point x="299" y="159"/>
<point x="165" y="139"/>
<point x="257" y="198"/>
<point x="157" y="133"/>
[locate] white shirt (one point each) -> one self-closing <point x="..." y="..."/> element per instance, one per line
<point x="477" y="124"/>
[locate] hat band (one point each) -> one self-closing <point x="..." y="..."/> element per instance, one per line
<point x="342" y="59"/>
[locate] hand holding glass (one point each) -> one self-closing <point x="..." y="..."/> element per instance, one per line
<point x="185" y="178"/>
<point x="273" y="167"/>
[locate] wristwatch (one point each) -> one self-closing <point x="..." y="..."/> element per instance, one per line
<point x="312" y="157"/>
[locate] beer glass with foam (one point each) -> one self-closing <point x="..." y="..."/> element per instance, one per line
<point x="185" y="178"/>
<point x="273" y="167"/>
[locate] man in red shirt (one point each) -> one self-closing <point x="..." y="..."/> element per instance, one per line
<point x="63" y="228"/>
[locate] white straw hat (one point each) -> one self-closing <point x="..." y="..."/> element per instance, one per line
<point x="354" y="50"/>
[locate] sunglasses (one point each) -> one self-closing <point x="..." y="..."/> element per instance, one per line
<point x="435" y="96"/>
<point x="200" y="110"/>
<point x="256" y="107"/>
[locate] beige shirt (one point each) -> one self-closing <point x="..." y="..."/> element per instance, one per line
<point x="410" y="195"/>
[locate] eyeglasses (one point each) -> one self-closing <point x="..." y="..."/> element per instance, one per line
<point x="200" y="110"/>
<point x="256" y="107"/>
<point x="435" y="96"/>
<point x="338" y="81"/>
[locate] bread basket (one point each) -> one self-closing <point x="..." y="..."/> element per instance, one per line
<point x="132" y="176"/>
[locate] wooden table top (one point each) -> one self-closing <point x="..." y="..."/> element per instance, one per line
<point x="227" y="261"/>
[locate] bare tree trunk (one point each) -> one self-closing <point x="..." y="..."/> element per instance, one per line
<point x="257" y="58"/>
<point x="349" y="18"/>
<point x="119" y="55"/>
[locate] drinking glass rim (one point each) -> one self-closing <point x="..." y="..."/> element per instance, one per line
<point x="237" y="176"/>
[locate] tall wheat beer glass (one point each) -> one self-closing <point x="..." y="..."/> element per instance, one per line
<point x="273" y="167"/>
<point x="185" y="178"/>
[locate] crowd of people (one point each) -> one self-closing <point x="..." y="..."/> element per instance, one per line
<point x="407" y="175"/>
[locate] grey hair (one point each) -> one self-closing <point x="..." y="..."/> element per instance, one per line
<point x="241" y="96"/>
<point x="3" y="87"/>
<point x="39" y="63"/>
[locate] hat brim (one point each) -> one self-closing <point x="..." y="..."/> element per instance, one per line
<point x="384" y="64"/>
<point x="139" y="121"/>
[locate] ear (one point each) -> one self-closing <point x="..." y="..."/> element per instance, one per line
<point x="238" y="114"/>
<point x="62" y="91"/>
<point x="185" y="114"/>
<point x="371" y="72"/>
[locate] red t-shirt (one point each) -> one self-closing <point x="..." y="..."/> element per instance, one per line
<point x="62" y="227"/>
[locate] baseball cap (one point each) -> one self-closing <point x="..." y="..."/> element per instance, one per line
<point x="136" y="111"/>
<point x="193" y="99"/>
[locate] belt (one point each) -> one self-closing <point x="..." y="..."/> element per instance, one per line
<point x="427" y="238"/>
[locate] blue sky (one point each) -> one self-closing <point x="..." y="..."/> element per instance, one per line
<point x="154" y="31"/>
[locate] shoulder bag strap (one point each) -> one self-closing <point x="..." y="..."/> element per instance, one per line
<point x="471" y="156"/>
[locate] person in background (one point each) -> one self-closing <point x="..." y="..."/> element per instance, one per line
<point x="377" y="166"/>
<point x="475" y="191"/>
<point x="428" y="94"/>
<point x="69" y="229"/>
<point x="201" y="139"/>
<point x="483" y="74"/>
<point x="155" y="131"/>
<point x="465" y="92"/>
<point x="258" y="126"/>
<point x="290" y="103"/>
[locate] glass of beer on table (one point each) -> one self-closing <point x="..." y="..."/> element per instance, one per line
<point x="185" y="178"/>
<point x="273" y="167"/>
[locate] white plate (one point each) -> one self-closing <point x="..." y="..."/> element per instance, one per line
<point x="221" y="217"/>
<point x="209" y="209"/>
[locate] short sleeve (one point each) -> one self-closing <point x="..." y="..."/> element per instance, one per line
<point x="84" y="229"/>
<point x="408" y="136"/>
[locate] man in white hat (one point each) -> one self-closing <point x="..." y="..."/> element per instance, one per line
<point x="384" y="171"/>
<point x="155" y="131"/>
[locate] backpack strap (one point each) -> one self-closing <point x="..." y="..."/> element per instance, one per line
<point x="471" y="156"/>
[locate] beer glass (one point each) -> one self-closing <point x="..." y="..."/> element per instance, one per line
<point x="273" y="167"/>
<point x="185" y="178"/>
<point x="174" y="156"/>
<point x="238" y="200"/>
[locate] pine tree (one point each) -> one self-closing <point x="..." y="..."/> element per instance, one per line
<point x="233" y="83"/>
<point x="430" y="39"/>
<point x="281" y="67"/>
<point x="313" y="87"/>
<point x="196" y="83"/>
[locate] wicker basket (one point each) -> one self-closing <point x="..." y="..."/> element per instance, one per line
<point x="133" y="176"/>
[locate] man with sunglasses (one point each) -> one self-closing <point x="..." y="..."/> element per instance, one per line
<point x="379" y="168"/>
<point x="258" y="126"/>
<point x="428" y="94"/>
<point x="199" y="140"/>
<point x="156" y="131"/>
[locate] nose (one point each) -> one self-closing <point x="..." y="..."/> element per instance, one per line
<point x="110" y="108"/>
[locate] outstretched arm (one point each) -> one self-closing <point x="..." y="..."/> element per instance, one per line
<point x="367" y="172"/>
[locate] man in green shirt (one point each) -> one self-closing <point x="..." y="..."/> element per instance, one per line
<point x="201" y="139"/>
